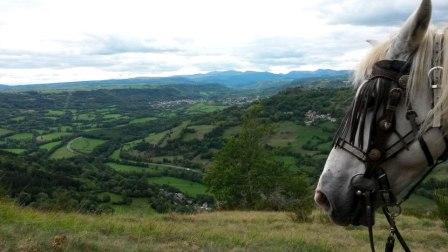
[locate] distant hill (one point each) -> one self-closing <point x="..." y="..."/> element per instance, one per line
<point x="110" y="97"/>
<point x="100" y="84"/>
<point x="250" y="79"/>
<point x="4" y="87"/>
<point x="231" y="79"/>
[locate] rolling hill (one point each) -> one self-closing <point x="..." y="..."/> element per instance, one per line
<point x="231" y="79"/>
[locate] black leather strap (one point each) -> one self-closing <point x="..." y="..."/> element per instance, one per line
<point x="426" y="151"/>
<point x="390" y="69"/>
<point x="393" y="226"/>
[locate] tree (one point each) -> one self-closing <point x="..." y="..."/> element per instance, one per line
<point x="245" y="174"/>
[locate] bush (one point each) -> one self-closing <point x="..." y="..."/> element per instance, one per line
<point x="24" y="198"/>
<point x="302" y="209"/>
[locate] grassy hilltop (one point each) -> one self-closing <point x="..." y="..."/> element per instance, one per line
<point x="26" y="229"/>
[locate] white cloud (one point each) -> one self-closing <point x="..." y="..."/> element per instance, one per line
<point x="52" y="41"/>
<point x="379" y="12"/>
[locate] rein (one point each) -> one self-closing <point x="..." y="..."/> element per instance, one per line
<point x="381" y="94"/>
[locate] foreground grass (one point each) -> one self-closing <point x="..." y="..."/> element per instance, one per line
<point x="31" y="230"/>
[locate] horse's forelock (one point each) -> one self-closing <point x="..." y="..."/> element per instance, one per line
<point x="422" y="63"/>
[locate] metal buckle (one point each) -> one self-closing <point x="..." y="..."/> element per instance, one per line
<point x="434" y="86"/>
<point x="394" y="211"/>
<point x="433" y="69"/>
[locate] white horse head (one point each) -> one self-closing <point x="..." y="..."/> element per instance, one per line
<point x="414" y="42"/>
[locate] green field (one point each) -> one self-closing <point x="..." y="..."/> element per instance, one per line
<point x="4" y="132"/>
<point x="187" y="187"/>
<point x="21" y="137"/>
<point x="142" y="120"/>
<point x="135" y="169"/>
<point x="205" y="108"/>
<point x="66" y="128"/>
<point x="91" y="129"/>
<point x="57" y="113"/>
<point x="230" y="132"/>
<point x="52" y="136"/>
<point x="26" y="229"/>
<point x="113" y="116"/>
<point x="176" y="133"/>
<point x="18" y="119"/>
<point x="85" y="145"/>
<point x="115" y="155"/>
<point x="106" y="110"/>
<point x="289" y="134"/>
<point x="131" y="145"/>
<point x="61" y="153"/>
<point x="156" y="138"/>
<point x="40" y="132"/>
<point x="85" y="117"/>
<point x="49" y="146"/>
<point x="15" y="151"/>
<point x="200" y="132"/>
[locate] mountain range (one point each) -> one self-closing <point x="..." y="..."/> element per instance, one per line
<point x="250" y="79"/>
<point x="230" y="79"/>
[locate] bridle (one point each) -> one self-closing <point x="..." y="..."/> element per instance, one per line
<point x="380" y="95"/>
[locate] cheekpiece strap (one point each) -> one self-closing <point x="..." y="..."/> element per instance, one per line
<point x="435" y="76"/>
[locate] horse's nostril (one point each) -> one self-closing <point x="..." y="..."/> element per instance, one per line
<point x="322" y="200"/>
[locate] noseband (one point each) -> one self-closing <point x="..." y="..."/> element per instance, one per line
<point x="380" y="95"/>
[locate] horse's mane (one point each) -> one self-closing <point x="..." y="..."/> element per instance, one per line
<point x="422" y="63"/>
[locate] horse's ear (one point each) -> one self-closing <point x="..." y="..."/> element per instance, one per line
<point x="414" y="30"/>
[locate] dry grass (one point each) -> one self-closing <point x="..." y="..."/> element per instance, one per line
<point x="30" y="230"/>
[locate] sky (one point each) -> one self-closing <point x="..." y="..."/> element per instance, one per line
<point x="45" y="41"/>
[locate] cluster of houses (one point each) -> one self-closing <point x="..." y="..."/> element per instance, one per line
<point x="312" y="116"/>
<point x="229" y="101"/>
<point x="175" y="103"/>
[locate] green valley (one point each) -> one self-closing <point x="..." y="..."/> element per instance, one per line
<point x="149" y="156"/>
